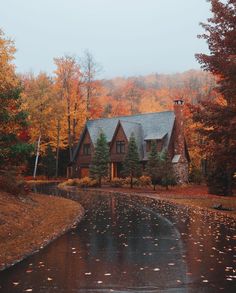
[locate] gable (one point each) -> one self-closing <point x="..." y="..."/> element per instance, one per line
<point x="151" y="125"/>
<point x="119" y="135"/>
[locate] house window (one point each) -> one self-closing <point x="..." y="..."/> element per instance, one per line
<point x="120" y="147"/>
<point x="86" y="149"/>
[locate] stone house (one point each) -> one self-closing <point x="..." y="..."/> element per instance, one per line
<point x="166" y="128"/>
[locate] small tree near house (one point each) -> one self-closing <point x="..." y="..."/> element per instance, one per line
<point x="166" y="170"/>
<point x="131" y="163"/>
<point x="153" y="165"/>
<point x="99" y="166"/>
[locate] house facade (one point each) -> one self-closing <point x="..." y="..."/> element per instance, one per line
<point x="166" y="128"/>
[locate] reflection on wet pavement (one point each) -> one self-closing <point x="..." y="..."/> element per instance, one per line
<point x="131" y="244"/>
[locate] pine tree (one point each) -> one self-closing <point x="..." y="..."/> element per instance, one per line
<point x="100" y="161"/>
<point x="166" y="170"/>
<point x="218" y="118"/>
<point x="14" y="148"/>
<point x="131" y="163"/>
<point x="153" y="165"/>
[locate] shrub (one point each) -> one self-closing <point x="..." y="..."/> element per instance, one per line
<point x="13" y="183"/>
<point x="117" y="182"/>
<point x="83" y="182"/>
<point x="127" y="181"/>
<point x="144" y="181"/>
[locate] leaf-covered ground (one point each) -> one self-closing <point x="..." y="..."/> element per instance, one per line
<point x="188" y="195"/>
<point x="28" y="223"/>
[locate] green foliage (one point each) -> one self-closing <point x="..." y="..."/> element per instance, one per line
<point x="153" y="165"/>
<point x="13" y="121"/>
<point x="100" y="161"/>
<point x="131" y="165"/>
<point x="166" y="170"/>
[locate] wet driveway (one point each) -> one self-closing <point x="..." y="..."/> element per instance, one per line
<point x="131" y="244"/>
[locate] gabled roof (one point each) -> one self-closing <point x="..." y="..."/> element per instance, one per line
<point x="154" y="125"/>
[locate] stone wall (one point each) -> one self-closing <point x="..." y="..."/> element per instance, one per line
<point x="181" y="171"/>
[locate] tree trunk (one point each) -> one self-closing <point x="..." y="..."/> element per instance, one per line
<point x="131" y="182"/>
<point x="69" y="128"/>
<point x="100" y="182"/>
<point x="37" y="157"/>
<point x="58" y="142"/>
<point x="154" y="187"/>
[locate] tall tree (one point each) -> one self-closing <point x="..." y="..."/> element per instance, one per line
<point x="68" y="79"/>
<point x="37" y="101"/>
<point x="153" y="165"/>
<point x="100" y="161"/>
<point x="90" y="69"/>
<point x="218" y="118"/>
<point x="131" y="164"/>
<point x="13" y="119"/>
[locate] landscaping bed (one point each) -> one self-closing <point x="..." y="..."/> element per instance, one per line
<point x="31" y="222"/>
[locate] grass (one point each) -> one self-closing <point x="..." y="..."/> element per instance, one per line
<point x="30" y="222"/>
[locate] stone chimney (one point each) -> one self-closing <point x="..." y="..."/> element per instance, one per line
<point x="180" y="162"/>
<point x="179" y="124"/>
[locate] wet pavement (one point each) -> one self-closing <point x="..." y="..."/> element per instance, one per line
<point x="132" y="244"/>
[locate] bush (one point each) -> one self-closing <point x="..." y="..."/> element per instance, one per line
<point x="144" y="181"/>
<point x="117" y="182"/>
<point x="82" y="183"/>
<point x="13" y="183"/>
<point x="217" y="181"/>
<point x="127" y="181"/>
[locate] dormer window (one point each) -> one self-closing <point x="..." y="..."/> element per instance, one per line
<point x="120" y="147"/>
<point x="86" y="149"/>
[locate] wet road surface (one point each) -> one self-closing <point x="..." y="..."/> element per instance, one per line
<point x="131" y="244"/>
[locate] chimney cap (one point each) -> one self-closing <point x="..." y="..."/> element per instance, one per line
<point x="178" y="102"/>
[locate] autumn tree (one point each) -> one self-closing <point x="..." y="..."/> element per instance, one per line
<point x="100" y="161"/>
<point x="68" y="79"/>
<point x="14" y="147"/>
<point x="218" y="118"/>
<point x="131" y="164"/>
<point x="37" y="101"/>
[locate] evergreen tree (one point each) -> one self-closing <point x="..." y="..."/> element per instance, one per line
<point x="166" y="170"/>
<point x="217" y="118"/>
<point x="100" y="161"/>
<point x="131" y="163"/>
<point x="14" y="148"/>
<point x="153" y="165"/>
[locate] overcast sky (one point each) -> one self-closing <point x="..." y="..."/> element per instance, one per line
<point x="127" y="37"/>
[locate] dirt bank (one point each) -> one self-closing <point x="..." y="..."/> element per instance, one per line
<point x="29" y="223"/>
